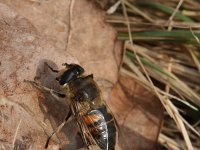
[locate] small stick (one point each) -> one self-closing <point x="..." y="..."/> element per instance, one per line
<point x="17" y="129"/>
<point x="70" y="23"/>
<point x="174" y="13"/>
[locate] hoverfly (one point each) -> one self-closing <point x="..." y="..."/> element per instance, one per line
<point x="97" y="125"/>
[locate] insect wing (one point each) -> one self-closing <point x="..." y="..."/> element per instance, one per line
<point x="86" y="136"/>
<point x="85" y="130"/>
<point x="96" y="124"/>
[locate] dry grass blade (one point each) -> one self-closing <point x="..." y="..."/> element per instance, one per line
<point x="165" y="76"/>
<point x="17" y="130"/>
<point x="127" y="21"/>
<point x="168" y="142"/>
<point x="155" y="55"/>
<point x="134" y="9"/>
<point x="172" y="111"/>
<point x="70" y="23"/>
<point x="177" y="120"/>
<point x="158" y="23"/>
<point x="145" y="83"/>
<point x="113" y="8"/>
<point x="173" y="14"/>
<point x="196" y="61"/>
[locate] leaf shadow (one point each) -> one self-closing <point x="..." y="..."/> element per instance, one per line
<point x="55" y="111"/>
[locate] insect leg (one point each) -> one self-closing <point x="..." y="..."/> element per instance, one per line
<point x="53" y="70"/>
<point x="55" y="94"/>
<point x="58" y="129"/>
<point x="66" y="65"/>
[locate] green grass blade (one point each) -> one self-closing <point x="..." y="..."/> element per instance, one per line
<point x="147" y="63"/>
<point x="167" y="10"/>
<point x="175" y="35"/>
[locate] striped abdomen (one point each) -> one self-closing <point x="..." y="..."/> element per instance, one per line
<point x="102" y="129"/>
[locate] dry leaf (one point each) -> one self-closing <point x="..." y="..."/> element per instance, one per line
<point x="23" y="53"/>
<point x="138" y="113"/>
<point x="41" y="35"/>
<point x="91" y="40"/>
<point x="25" y="45"/>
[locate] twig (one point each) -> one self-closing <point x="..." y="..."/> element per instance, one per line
<point x="196" y="61"/>
<point x="173" y="14"/>
<point x="113" y="8"/>
<point x="196" y="38"/>
<point x="167" y="87"/>
<point x="196" y="124"/>
<point x="137" y="11"/>
<point x="17" y="129"/>
<point x="127" y="21"/>
<point x="70" y="23"/>
<point x="171" y="109"/>
<point x="168" y="142"/>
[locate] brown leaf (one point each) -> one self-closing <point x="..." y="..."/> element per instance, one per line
<point x="92" y="41"/>
<point x="22" y="54"/>
<point x="26" y="43"/>
<point x="41" y="35"/>
<point x="138" y="113"/>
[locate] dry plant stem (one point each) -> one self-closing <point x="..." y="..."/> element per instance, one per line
<point x="170" y="108"/>
<point x="128" y="26"/>
<point x="131" y="40"/>
<point x="168" y="142"/>
<point x="167" y="87"/>
<point x="196" y="38"/>
<point x="196" y="61"/>
<point x="158" y="23"/>
<point x="141" y="78"/>
<point x="176" y="83"/>
<point x="173" y="112"/>
<point x="127" y="21"/>
<point x="196" y="132"/>
<point x="181" y="126"/>
<point x="136" y="10"/>
<point x="126" y="60"/>
<point x="134" y="68"/>
<point x="190" y="13"/>
<point x="190" y="126"/>
<point x="196" y="124"/>
<point x="113" y="8"/>
<point x="173" y="14"/>
<point x="178" y="99"/>
<point x="70" y="23"/>
<point x="140" y="50"/>
<point x="164" y="140"/>
<point x="177" y="67"/>
<point x="15" y="136"/>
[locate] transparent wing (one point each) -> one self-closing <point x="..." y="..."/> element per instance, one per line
<point x="93" y="129"/>
<point x="97" y="126"/>
<point x="85" y="129"/>
<point x="87" y="137"/>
